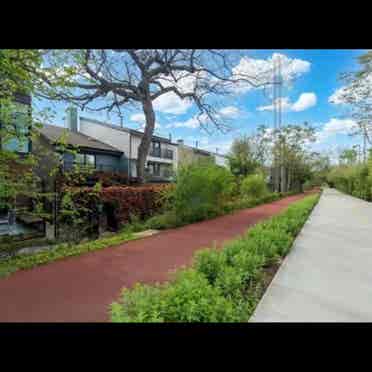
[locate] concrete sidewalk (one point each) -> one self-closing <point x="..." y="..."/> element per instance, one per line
<point x="327" y="276"/>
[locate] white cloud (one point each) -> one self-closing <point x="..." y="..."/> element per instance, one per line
<point x="286" y="105"/>
<point x="305" y="101"/>
<point x="229" y="112"/>
<point x="261" y="70"/>
<point x="336" y="126"/>
<point x="185" y="82"/>
<point x="191" y="123"/>
<point x="139" y="118"/>
<point x="170" y="103"/>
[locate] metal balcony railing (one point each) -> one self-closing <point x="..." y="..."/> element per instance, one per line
<point x="161" y="153"/>
<point x="69" y="165"/>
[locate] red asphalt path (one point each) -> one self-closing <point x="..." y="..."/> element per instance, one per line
<point x="80" y="289"/>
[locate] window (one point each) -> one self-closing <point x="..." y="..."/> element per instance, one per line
<point x="90" y="160"/>
<point x="154" y="168"/>
<point x="85" y="159"/>
<point x="80" y="159"/>
<point x="18" y="130"/>
<point x="155" y="149"/>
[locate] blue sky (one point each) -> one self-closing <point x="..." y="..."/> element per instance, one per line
<point x="307" y="99"/>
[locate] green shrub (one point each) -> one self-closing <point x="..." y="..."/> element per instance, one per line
<point x="248" y="262"/>
<point x="190" y="298"/>
<point x="234" y="247"/>
<point x="230" y="282"/>
<point x="200" y="191"/>
<point x="141" y="304"/>
<point x="210" y="262"/>
<point x="269" y="242"/>
<point x="354" y="180"/>
<point x="254" y="186"/>
<point x="166" y="220"/>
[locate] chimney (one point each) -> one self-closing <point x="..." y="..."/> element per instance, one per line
<point x="180" y="141"/>
<point x="170" y="137"/>
<point x="196" y="144"/>
<point x="216" y="150"/>
<point x="72" y="119"/>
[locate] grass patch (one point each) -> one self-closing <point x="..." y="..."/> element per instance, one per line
<point x="10" y="246"/>
<point x="222" y="285"/>
<point x="22" y="262"/>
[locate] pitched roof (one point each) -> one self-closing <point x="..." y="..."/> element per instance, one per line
<point x="54" y="133"/>
<point x="128" y="130"/>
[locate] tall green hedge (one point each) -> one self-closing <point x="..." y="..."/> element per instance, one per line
<point x="355" y="180"/>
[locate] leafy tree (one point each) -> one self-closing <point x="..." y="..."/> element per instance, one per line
<point x="17" y="177"/>
<point x="357" y="94"/>
<point x="348" y="157"/>
<point x="247" y="154"/>
<point x="291" y="154"/>
<point x="119" y="78"/>
<point x="254" y="186"/>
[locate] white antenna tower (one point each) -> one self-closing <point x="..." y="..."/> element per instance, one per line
<point x="277" y="111"/>
<point x="277" y="93"/>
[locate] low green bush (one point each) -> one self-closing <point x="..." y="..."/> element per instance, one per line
<point x="13" y="246"/>
<point x="254" y="186"/>
<point x="246" y="202"/>
<point x="223" y="285"/>
<point x="166" y="220"/>
<point x="270" y="242"/>
<point x="210" y="262"/>
<point x="200" y="191"/>
<point x="190" y="298"/>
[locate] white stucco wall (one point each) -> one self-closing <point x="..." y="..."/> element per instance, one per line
<point x="121" y="140"/>
<point x="113" y="137"/>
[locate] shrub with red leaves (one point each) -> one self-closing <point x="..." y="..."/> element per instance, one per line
<point x="142" y="201"/>
<point x="108" y="179"/>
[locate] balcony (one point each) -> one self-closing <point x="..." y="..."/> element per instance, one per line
<point x="161" y="153"/>
<point x="68" y="166"/>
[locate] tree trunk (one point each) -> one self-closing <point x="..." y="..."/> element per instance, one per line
<point x="144" y="146"/>
<point x="283" y="187"/>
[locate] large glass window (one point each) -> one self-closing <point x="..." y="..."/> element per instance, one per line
<point x="85" y="159"/>
<point x="154" y="168"/>
<point x="155" y="151"/>
<point x="80" y="159"/>
<point x="17" y="132"/>
<point x="90" y="160"/>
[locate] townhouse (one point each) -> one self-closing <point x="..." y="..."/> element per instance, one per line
<point x="161" y="162"/>
<point x="113" y="148"/>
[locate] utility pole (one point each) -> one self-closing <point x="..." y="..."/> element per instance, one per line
<point x="283" y="187"/>
<point x="364" y="143"/>
<point x="278" y="168"/>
